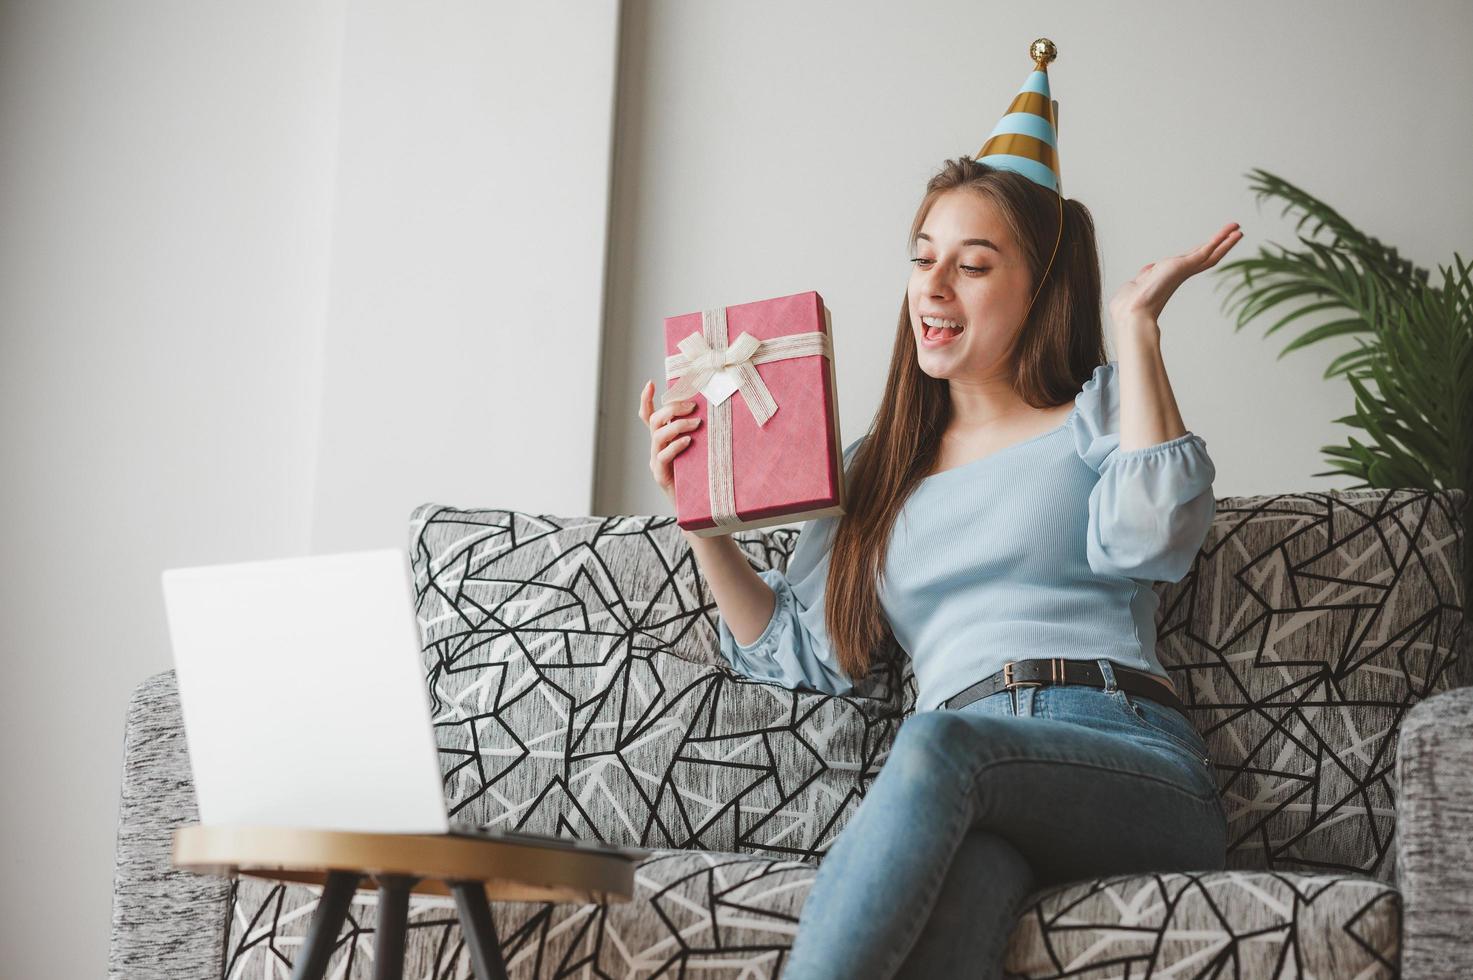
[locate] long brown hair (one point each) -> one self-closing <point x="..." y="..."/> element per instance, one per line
<point x="1056" y="351"/>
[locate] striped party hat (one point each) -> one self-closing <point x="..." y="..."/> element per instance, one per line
<point x="1026" y="138"/>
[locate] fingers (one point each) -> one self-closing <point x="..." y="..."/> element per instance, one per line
<point x="1206" y="255"/>
<point x="1222" y="233"/>
<point x="648" y="414"/>
<point x="669" y="436"/>
<point x="646" y="401"/>
<point x="656" y="417"/>
<point x="1227" y="236"/>
<point x="1179" y="268"/>
<point x="672" y="450"/>
<point x="1221" y="243"/>
<point x="667" y="413"/>
<point x="1233" y="238"/>
<point x="666" y="445"/>
<point x="666" y="429"/>
<point x="675" y="427"/>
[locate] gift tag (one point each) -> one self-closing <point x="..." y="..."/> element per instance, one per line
<point x="721" y="386"/>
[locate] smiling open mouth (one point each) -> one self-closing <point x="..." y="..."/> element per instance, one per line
<point x="939" y="328"/>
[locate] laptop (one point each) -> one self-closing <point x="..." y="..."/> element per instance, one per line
<point x="303" y="695"/>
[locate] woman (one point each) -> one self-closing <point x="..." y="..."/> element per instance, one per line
<point x="1013" y="500"/>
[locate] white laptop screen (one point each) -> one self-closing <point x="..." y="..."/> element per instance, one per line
<point x="303" y="694"/>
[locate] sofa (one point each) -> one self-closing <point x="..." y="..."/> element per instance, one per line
<point x="577" y="688"/>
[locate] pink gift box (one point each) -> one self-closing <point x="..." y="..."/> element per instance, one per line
<point x="788" y="469"/>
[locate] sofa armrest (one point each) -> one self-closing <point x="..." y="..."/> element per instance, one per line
<point x="166" y="923"/>
<point x="1434" y="835"/>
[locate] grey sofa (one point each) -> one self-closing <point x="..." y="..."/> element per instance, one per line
<point x="577" y="689"/>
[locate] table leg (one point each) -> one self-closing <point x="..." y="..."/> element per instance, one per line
<point x="393" y="919"/>
<point x="478" y="929"/>
<point x="327" y="920"/>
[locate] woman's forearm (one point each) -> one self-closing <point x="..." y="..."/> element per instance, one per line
<point x="1148" y="412"/>
<point x="743" y="599"/>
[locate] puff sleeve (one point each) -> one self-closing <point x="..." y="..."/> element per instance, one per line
<point x="1151" y="508"/>
<point x="794" y="650"/>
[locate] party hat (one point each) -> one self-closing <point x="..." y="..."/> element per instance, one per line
<point x="1026" y="138"/>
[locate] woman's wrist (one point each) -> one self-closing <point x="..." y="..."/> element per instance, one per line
<point x="1136" y="332"/>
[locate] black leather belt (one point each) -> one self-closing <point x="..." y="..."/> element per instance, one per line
<point x="1059" y="670"/>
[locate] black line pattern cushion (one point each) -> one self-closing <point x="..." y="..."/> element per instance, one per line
<point x="577" y="689"/>
<point x="1313" y="622"/>
<point x="734" y="916"/>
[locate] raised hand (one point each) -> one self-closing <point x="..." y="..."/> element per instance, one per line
<point x="1142" y="298"/>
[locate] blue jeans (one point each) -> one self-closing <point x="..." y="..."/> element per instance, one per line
<point x="976" y="808"/>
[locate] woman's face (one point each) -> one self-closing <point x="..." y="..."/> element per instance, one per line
<point x="966" y="269"/>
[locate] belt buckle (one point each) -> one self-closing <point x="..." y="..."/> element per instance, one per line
<point x="1055" y="675"/>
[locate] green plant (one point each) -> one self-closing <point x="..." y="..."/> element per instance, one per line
<point x="1413" y="378"/>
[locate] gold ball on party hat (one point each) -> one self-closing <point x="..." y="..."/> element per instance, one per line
<point x="1043" y="51"/>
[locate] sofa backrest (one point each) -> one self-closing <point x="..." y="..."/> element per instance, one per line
<point x="577" y="687"/>
<point x="1308" y="626"/>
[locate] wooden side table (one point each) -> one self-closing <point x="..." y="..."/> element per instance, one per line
<point x="473" y="870"/>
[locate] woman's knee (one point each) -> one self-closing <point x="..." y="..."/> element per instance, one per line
<point x="990" y="856"/>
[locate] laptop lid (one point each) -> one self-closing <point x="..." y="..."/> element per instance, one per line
<point x="303" y="695"/>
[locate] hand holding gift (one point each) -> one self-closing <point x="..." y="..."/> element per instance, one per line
<point x="666" y="440"/>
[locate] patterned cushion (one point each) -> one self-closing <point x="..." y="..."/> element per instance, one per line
<point x="577" y="689"/>
<point x="1239" y="924"/>
<point x="1308" y="627"/>
<point x="723" y="915"/>
<point x="699" y="913"/>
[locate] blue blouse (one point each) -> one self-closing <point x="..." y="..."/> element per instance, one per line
<point x="1045" y="548"/>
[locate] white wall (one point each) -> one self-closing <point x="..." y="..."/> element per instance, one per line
<point x="218" y="225"/>
<point x="768" y="148"/>
<point x="463" y="326"/>
<point x="164" y="175"/>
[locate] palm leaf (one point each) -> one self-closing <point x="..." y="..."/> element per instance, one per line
<point x="1411" y="372"/>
